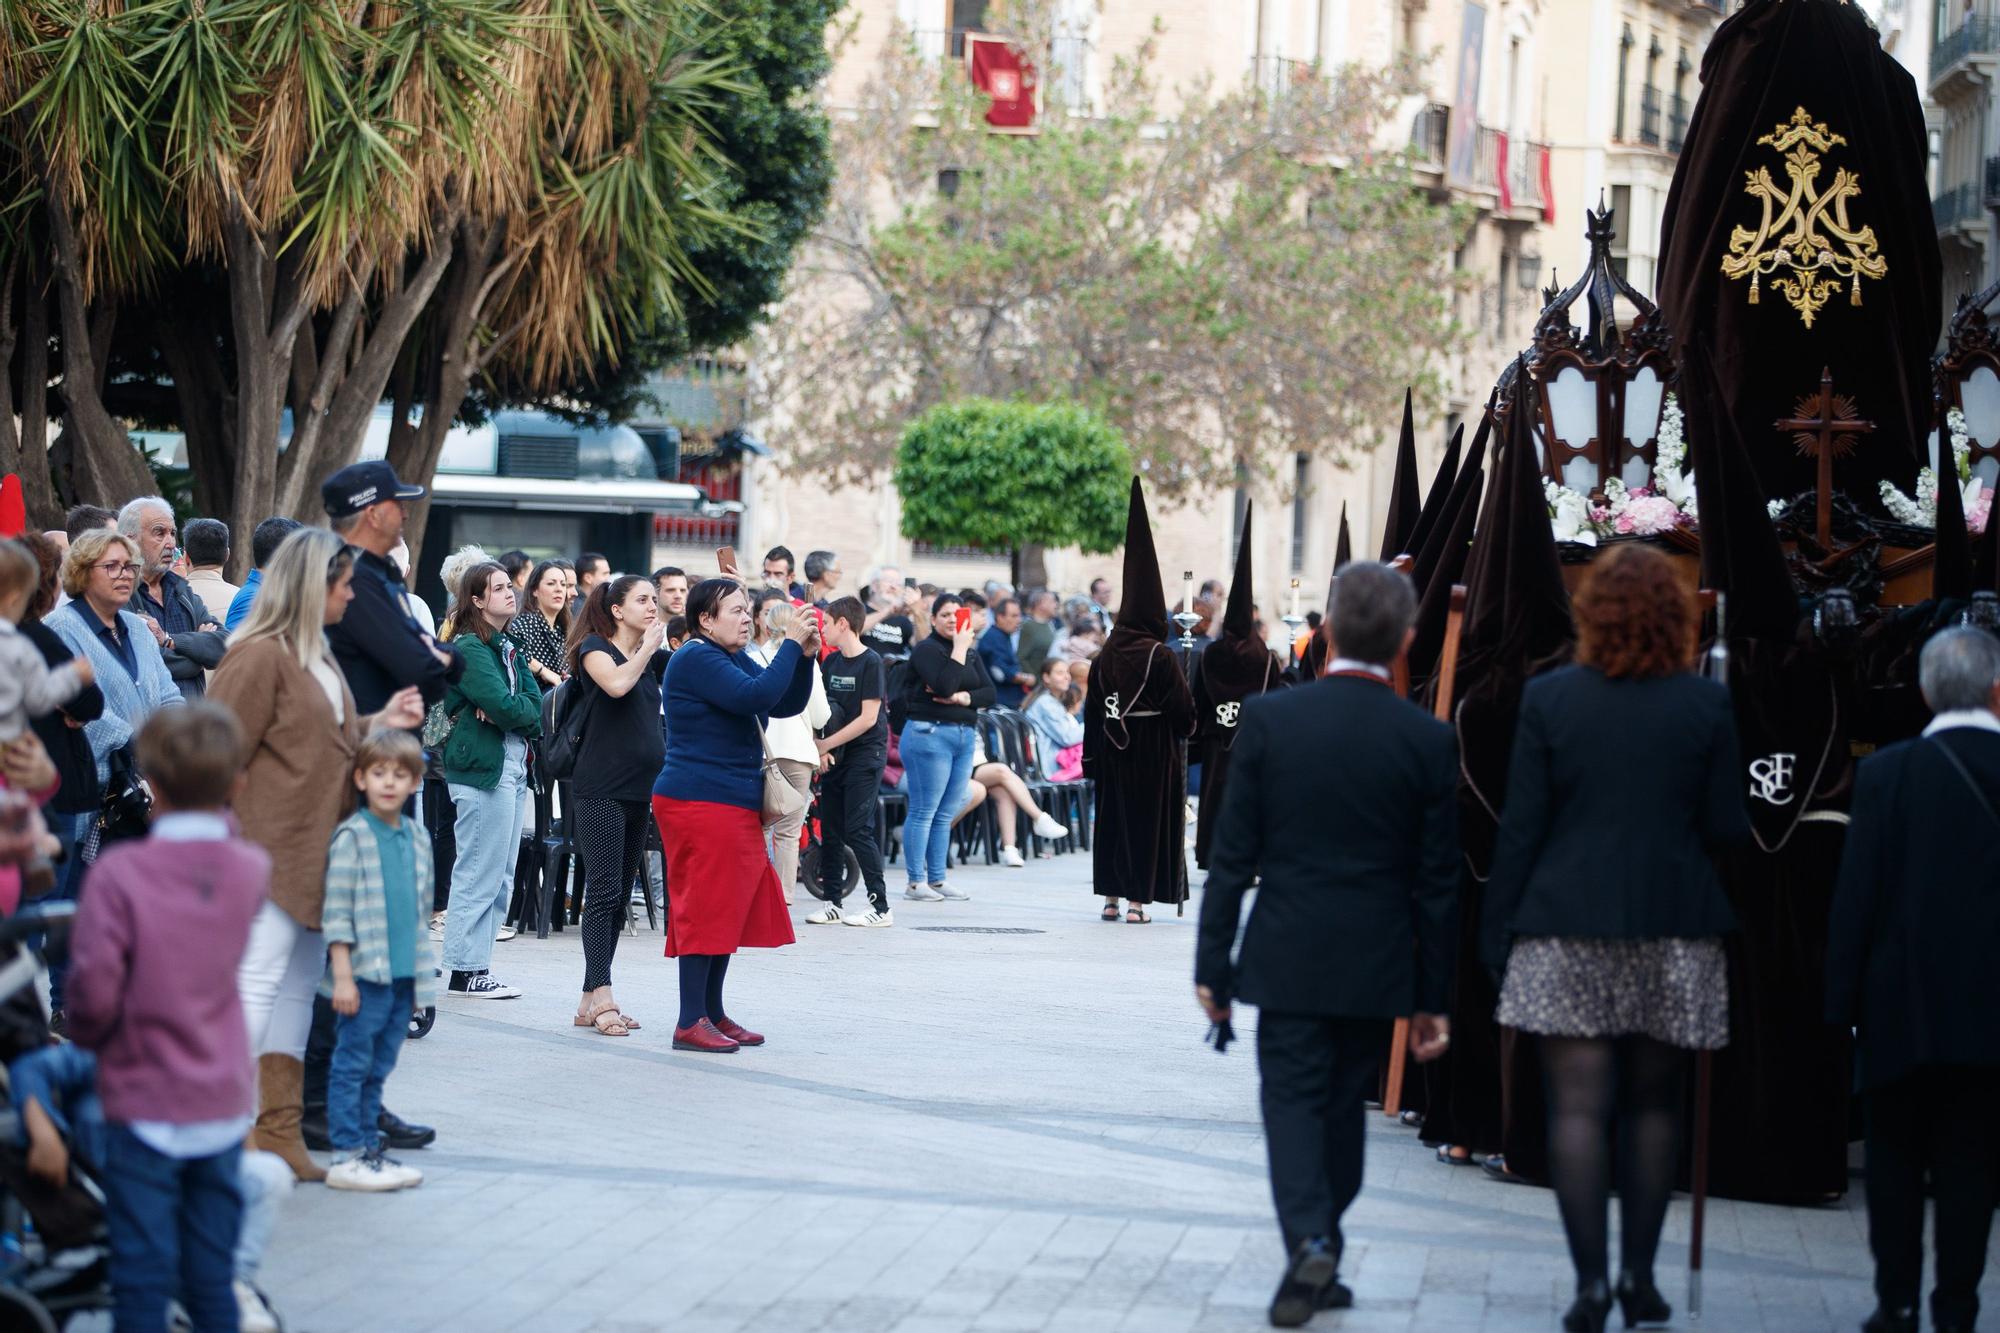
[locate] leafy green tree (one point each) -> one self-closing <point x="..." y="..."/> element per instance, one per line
<point x="1015" y="477"/>
<point x="1244" y="279"/>
<point x="237" y="207"/>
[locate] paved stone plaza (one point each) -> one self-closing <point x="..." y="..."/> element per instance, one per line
<point x="947" y="1131"/>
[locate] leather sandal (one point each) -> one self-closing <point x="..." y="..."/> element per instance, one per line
<point x="1110" y="912"/>
<point x="606" y="1020"/>
<point x="1136" y="916"/>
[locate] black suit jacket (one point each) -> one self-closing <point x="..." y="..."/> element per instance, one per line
<point x="1344" y="798"/>
<point x="1915" y="928"/>
<point x="1616" y="793"/>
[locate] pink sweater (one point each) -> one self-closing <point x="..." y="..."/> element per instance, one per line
<point x="152" y="986"/>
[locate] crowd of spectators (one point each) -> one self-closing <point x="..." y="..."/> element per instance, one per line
<point x="336" y="791"/>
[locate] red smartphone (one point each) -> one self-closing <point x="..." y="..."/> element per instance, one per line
<point x="964" y="619"/>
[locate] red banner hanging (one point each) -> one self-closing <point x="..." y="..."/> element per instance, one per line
<point x="1500" y="170"/>
<point x="1548" y="188"/>
<point x="1000" y="71"/>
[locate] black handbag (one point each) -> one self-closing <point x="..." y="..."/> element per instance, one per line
<point x="563" y="723"/>
<point x="125" y="811"/>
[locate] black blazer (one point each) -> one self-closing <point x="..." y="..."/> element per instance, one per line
<point x="1616" y="793"/>
<point x="1344" y="798"/>
<point x="1915" y="926"/>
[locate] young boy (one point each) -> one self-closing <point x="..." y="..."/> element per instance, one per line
<point x="378" y="953"/>
<point x="857" y="739"/>
<point x="152" y="990"/>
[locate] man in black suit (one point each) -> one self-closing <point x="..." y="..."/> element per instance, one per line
<point x="1910" y="948"/>
<point x="1343" y="798"/>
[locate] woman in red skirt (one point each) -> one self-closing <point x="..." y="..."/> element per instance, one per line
<point x="709" y="800"/>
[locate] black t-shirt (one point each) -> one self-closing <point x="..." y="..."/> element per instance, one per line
<point x="623" y="744"/>
<point x="850" y="682"/>
<point x="892" y="636"/>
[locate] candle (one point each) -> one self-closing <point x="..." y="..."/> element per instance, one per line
<point x="1295" y="599"/>
<point x="1187" y="593"/>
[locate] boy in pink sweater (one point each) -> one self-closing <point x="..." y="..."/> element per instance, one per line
<point x="152" y="991"/>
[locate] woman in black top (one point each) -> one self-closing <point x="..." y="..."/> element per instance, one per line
<point x="77" y="797"/>
<point x="542" y="627"/>
<point x="950" y="688"/>
<point x="617" y="663"/>
<point x="1607" y="912"/>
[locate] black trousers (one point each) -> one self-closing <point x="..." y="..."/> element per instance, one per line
<point x="1936" y="1124"/>
<point x="847" y="806"/>
<point x="611" y="834"/>
<point x="1315" y="1072"/>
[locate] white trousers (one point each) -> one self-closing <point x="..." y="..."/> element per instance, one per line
<point x="279" y="973"/>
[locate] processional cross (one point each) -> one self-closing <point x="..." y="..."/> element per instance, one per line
<point x="1824" y="427"/>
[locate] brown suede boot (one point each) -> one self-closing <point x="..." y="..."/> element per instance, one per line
<point x="280" y="1104"/>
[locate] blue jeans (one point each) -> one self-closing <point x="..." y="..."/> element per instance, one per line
<point x="174" y="1224"/>
<point x="69" y="830"/>
<point x="937" y="761"/>
<point x="488" y="832"/>
<point x="365" y="1046"/>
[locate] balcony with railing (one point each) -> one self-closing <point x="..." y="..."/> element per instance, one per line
<point x="1649" y="116"/>
<point x="1975" y="41"/>
<point x="1677" y="123"/>
<point x="1524" y="174"/>
<point x="1958" y="207"/>
<point x="1430" y="132"/>
<point x="1275" y="76"/>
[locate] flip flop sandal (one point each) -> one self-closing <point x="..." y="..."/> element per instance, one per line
<point x="1136" y="916"/>
<point x="1110" y="913"/>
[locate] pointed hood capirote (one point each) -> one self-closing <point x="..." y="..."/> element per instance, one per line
<point x="1448" y="474"/>
<point x="1142" y="607"/>
<point x="1239" y="663"/>
<point x="1236" y="615"/>
<point x="1406" y="498"/>
<point x="1343" y="546"/>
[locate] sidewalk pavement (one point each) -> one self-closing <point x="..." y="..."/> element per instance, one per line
<point x="950" y="1129"/>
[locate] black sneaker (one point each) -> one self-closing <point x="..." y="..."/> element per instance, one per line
<point x="480" y="986"/>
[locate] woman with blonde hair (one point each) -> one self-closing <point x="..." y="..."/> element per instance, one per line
<point x="1606" y="912"/>
<point x="300" y="730"/>
<point x="791" y="738"/>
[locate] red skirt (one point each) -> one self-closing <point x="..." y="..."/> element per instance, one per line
<point x="722" y="892"/>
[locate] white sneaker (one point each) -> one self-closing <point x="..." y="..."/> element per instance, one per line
<point x="1046" y="827"/>
<point x="1011" y="858"/>
<point x="437" y="925"/>
<point x="253" y="1312"/>
<point x="484" y="987"/>
<point x="828" y="915"/>
<point x="922" y="893"/>
<point x="409" y="1176"/>
<point x="369" y="1173"/>
<point x="505" y="933"/>
<point x="871" y="917"/>
<point x="947" y="891"/>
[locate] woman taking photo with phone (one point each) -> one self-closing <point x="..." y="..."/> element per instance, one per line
<point x="616" y="665"/>
<point x="937" y="744"/>
<point x="709" y="797"/>
<point x="791" y="738"/>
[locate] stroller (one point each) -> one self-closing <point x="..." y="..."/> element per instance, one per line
<point x="54" y="1253"/>
<point x="812" y="851"/>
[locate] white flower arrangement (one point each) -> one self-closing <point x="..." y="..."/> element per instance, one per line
<point x="1920" y="510"/>
<point x="1641" y="511"/>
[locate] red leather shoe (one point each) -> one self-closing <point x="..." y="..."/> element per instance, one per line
<point x="739" y="1034"/>
<point x="703" y="1036"/>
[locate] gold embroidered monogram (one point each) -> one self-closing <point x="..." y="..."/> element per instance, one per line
<point x="1804" y="243"/>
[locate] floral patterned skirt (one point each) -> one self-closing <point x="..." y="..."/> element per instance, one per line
<point x="1672" y="990"/>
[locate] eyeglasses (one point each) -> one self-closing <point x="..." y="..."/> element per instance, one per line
<point x="117" y="569"/>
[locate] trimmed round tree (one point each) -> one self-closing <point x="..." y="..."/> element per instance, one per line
<point x="1015" y="477"/>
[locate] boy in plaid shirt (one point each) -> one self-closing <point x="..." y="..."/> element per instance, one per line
<point x="379" y="963"/>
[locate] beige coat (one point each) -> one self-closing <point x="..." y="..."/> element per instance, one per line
<point x="299" y="779"/>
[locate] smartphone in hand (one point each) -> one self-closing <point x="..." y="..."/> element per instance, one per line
<point x="725" y="558"/>
<point x="964" y="619"/>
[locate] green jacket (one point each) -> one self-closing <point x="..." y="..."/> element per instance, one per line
<point x="473" y="751"/>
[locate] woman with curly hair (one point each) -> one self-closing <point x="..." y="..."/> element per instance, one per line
<point x="1606" y="912"/>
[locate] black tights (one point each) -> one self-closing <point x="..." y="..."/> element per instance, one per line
<point x="1592" y="1082"/>
<point x="701" y="987"/>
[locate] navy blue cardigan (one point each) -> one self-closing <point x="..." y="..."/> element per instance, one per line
<point x="715" y="701"/>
